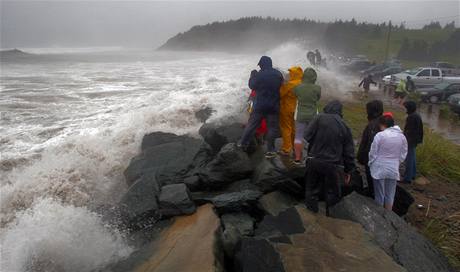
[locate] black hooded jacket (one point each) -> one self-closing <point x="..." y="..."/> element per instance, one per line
<point x="413" y="130"/>
<point x="374" y="110"/>
<point x="266" y="83"/>
<point x="330" y="138"/>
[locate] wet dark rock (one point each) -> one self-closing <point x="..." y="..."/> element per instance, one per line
<point x="204" y="114"/>
<point x="219" y="135"/>
<point x="245" y="200"/>
<point x="403" y="201"/>
<point x="286" y="222"/>
<point x="140" y="201"/>
<point x="231" y="164"/>
<point x="399" y="240"/>
<point x="243" y="222"/>
<point x="175" y="200"/>
<point x="275" y="202"/>
<point x="258" y="255"/>
<point x="270" y="178"/>
<point x="169" y="156"/>
<point x="230" y="237"/>
<point x="192" y="182"/>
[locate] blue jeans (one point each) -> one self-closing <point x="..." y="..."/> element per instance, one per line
<point x="411" y="165"/>
<point x="255" y="119"/>
<point x="384" y="190"/>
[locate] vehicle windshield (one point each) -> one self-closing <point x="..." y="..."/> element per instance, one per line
<point x="413" y="71"/>
<point x="441" y="86"/>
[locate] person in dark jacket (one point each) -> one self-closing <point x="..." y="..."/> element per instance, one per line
<point x="266" y="83"/>
<point x="413" y="130"/>
<point x="366" y="83"/>
<point x="374" y="110"/>
<point x="331" y="153"/>
<point x="410" y="85"/>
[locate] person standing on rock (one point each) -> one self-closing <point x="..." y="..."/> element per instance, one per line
<point x="331" y="154"/>
<point x="413" y="130"/>
<point x="308" y="95"/>
<point x="266" y="83"/>
<point x="374" y="110"/>
<point x="388" y="150"/>
<point x="287" y="109"/>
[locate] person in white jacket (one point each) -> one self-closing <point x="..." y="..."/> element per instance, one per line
<point x="388" y="150"/>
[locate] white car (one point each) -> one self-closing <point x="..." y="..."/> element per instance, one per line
<point x="423" y="77"/>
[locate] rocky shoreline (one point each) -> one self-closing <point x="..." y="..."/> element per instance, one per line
<point x="205" y="205"/>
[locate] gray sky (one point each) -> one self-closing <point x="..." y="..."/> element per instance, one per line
<point x="150" y="23"/>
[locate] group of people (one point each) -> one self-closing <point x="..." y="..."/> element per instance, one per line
<point x="384" y="146"/>
<point x="314" y="58"/>
<point x="291" y="104"/>
<point x="403" y="89"/>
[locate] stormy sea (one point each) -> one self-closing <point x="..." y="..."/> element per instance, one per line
<point x="71" y="119"/>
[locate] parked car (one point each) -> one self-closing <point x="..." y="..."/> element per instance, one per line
<point x="447" y="68"/>
<point x="387" y="71"/>
<point x="454" y="103"/>
<point x="440" y="92"/>
<point x="423" y="77"/>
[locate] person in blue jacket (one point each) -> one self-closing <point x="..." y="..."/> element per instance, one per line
<point x="266" y="83"/>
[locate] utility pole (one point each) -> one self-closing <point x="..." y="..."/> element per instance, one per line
<point x="387" y="48"/>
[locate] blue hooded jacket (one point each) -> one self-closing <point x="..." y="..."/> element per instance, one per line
<point x="266" y="83"/>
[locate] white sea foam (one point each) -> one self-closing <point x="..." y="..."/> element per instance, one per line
<point x="56" y="237"/>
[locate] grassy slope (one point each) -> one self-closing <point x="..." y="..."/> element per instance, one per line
<point x="375" y="48"/>
<point x="437" y="158"/>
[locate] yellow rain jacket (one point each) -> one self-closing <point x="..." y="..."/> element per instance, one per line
<point x="288" y="99"/>
<point x="288" y="103"/>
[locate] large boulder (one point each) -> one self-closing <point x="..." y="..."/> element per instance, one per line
<point x="298" y="240"/>
<point x="269" y="177"/>
<point x="231" y="164"/>
<point x="245" y="200"/>
<point x="140" y="201"/>
<point x="169" y="157"/>
<point x="243" y="222"/>
<point x="219" y="135"/>
<point x="189" y="244"/>
<point x="175" y="200"/>
<point x="401" y="241"/>
<point x="275" y="202"/>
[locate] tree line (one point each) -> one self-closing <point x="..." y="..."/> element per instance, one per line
<point x="342" y="36"/>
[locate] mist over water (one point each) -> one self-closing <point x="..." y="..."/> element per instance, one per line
<point x="69" y="128"/>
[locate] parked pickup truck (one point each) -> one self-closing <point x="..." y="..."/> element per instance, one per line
<point x="423" y="77"/>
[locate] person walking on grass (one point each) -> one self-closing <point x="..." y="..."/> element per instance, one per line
<point x="287" y="109"/>
<point x="266" y="83"/>
<point x="330" y="156"/>
<point x="308" y="94"/>
<point x="374" y="110"/>
<point x="413" y="130"/>
<point x="366" y="83"/>
<point x="388" y="150"/>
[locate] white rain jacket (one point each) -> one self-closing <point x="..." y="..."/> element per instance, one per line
<point x="388" y="150"/>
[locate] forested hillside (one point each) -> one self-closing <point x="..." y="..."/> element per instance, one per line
<point x="256" y="34"/>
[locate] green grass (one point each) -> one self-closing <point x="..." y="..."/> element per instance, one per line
<point x="445" y="235"/>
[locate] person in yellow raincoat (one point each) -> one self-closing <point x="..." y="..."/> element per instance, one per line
<point x="288" y="102"/>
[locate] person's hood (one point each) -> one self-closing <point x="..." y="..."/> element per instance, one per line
<point x="295" y="73"/>
<point x="309" y="76"/>
<point x="395" y="129"/>
<point x="265" y="63"/>
<point x="410" y="106"/>
<point x="333" y="107"/>
<point x="374" y="109"/>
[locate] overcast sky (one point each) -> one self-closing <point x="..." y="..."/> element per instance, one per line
<point x="150" y="23"/>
